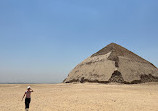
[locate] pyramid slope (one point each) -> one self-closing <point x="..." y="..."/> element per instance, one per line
<point x="113" y="63"/>
<point x="117" y="51"/>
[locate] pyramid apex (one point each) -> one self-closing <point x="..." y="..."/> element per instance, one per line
<point x="110" y="47"/>
<point x="113" y="44"/>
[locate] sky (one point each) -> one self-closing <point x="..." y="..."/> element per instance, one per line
<point x="41" y="41"/>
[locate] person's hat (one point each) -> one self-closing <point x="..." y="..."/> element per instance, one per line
<point x="28" y="87"/>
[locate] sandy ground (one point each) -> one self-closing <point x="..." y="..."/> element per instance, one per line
<point x="81" y="97"/>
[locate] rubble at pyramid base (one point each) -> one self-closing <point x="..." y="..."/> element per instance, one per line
<point x="117" y="79"/>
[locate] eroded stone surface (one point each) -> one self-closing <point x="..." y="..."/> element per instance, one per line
<point x="104" y="65"/>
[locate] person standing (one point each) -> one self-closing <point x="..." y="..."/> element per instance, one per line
<point x="27" y="96"/>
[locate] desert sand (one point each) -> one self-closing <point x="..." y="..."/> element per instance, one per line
<point x="81" y="97"/>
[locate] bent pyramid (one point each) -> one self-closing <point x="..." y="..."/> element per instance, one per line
<point x="114" y="63"/>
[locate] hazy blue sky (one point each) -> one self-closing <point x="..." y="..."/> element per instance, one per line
<point x="43" y="40"/>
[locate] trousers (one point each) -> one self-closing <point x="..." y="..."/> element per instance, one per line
<point x="27" y="102"/>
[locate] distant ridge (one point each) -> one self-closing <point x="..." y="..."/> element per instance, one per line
<point x="114" y="63"/>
